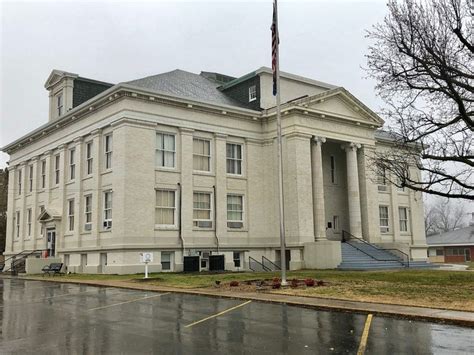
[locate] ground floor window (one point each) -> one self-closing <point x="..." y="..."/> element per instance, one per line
<point x="165" y="260"/>
<point x="202" y="216"/>
<point x="439" y="252"/>
<point x="237" y="260"/>
<point x="403" y="215"/>
<point x="383" y="214"/>
<point x="235" y="211"/>
<point x="165" y="210"/>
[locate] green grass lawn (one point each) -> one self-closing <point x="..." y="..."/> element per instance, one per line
<point x="429" y="288"/>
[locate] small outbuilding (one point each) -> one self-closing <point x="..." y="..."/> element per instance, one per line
<point x="451" y="247"/>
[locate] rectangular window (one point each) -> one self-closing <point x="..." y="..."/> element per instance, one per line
<point x="43" y="174"/>
<point x="165" y="260"/>
<point x="108" y="151"/>
<point x="107" y="210"/>
<point x="234" y="158"/>
<point x="383" y="215"/>
<point x="56" y="169"/>
<point x="335" y="223"/>
<point x="88" y="212"/>
<point x="72" y="164"/>
<point x="202" y="216"/>
<point x="252" y="93"/>
<point x="237" y="263"/>
<point x="41" y="224"/>
<point x="165" y="150"/>
<point x="30" y="176"/>
<point x="403" y="215"/>
<point x="201" y="154"/>
<point x="165" y="211"/>
<point x="89" y="158"/>
<point x="439" y="252"/>
<point x="28" y="221"/>
<point x="17" y="222"/>
<point x="70" y="214"/>
<point x="235" y="211"/>
<point x="400" y="188"/>
<point x="59" y="104"/>
<point x="382" y="179"/>
<point x="333" y="170"/>
<point x="19" y="182"/>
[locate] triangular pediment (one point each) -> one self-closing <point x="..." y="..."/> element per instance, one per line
<point x="340" y="103"/>
<point x="48" y="215"/>
<point x="56" y="76"/>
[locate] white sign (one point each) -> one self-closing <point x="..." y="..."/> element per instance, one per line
<point x="146" y="257"/>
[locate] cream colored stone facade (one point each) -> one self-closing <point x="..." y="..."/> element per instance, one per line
<point x="329" y="137"/>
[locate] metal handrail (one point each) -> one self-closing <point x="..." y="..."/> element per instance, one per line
<point x="347" y="240"/>
<point x="270" y="262"/>
<point x="23" y="255"/>
<point x="264" y="268"/>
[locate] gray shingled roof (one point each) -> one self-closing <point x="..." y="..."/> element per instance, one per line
<point x="456" y="237"/>
<point x="185" y="84"/>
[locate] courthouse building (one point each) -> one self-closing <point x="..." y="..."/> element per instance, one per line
<point x="181" y="164"/>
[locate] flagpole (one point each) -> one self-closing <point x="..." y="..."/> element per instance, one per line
<point x="280" y="158"/>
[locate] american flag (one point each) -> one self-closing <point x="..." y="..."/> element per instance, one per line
<point x="275" y="42"/>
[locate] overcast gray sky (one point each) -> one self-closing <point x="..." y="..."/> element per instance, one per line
<point x="118" y="41"/>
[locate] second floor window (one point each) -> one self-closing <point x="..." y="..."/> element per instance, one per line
<point x="89" y="158"/>
<point x="72" y="164"/>
<point x="28" y="220"/>
<point x="333" y="169"/>
<point x="382" y="179"/>
<point x="108" y="151"/>
<point x="56" y="169"/>
<point x="19" y="182"/>
<point x="383" y="214"/>
<point x="70" y="214"/>
<point x="30" y="177"/>
<point x="165" y="150"/>
<point x="17" y="223"/>
<point x="234" y="158"/>
<point x="107" y="210"/>
<point x="201" y="154"/>
<point x="43" y="174"/>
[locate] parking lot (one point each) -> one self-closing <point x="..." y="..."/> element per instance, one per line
<point x="49" y="318"/>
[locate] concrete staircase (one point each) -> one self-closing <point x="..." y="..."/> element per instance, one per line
<point x="363" y="256"/>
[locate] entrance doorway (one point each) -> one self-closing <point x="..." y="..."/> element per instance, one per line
<point x="51" y="234"/>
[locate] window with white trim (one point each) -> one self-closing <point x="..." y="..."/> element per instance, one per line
<point x="403" y="216"/>
<point x="89" y="158"/>
<point x="107" y="210"/>
<point x="17" y="223"/>
<point x="41" y="224"/>
<point x="56" y="169"/>
<point x="234" y="158"/>
<point x="28" y="221"/>
<point x="72" y="164"/>
<point x="333" y="169"/>
<point x="165" y="260"/>
<point x="88" y="212"/>
<point x="30" y="177"/>
<point x="382" y="179"/>
<point x="165" y="210"/>
<point x="235" y="211"/>
<point x="59" y="104"/>
<point x="335" y="224"/>
<point x="19" y="182"/>
<point x="70" y="214"/>
<point x="108" y="145"/>
<point x="43" y="174"/>
<point x="384" y="219"/>
<point x="202" y="210"/>
<point x="165" y="152"/>
<point x="237" y="259"/>
<point x="201" y="154"/>
<point x="252" y="93"/>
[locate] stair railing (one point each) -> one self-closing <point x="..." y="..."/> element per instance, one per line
<point x="256" y="265"/>
<point x="271" y="265"/>
<point x="346" y="238"/>
<point x="18" y="258"/>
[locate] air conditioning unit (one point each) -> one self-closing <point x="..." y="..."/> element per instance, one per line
<point x="203" y="224"/>
<point x="235" y="225"/>
<point x="88" y="226"/>
<point x="107" y="224"/>
<point x="384" y="229"/>
<point x="205" y="255"/>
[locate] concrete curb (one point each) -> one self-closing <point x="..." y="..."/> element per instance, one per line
<point x="461" y="318"/>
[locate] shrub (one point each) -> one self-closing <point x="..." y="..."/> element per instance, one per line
<point x="234" y="283"/>
<point x="294" y="283"/>
<point x="276" y="279"/>
<point x="309" y="282"/>
<point x="320" y="283"/>
<point x="276" y="285"/>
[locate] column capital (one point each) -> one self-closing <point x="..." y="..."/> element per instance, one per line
<point x="221" y="136"/>
<point x="78" y="140"/>
<point x="95" y="132"/>
<point x="185" y="130"/>
<point x="319" y="140"/>
<point x="351" y="146"/>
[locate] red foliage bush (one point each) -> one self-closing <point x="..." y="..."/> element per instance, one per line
<point x="309" y="282"/>
<point x="276" y="280"/>
<point x="234" y="283"/>
<point x="294" y="283"/>
<point x="276" y="285"/>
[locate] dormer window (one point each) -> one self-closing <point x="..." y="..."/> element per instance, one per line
<point x="252" y="93"/>
<point x="59" y="104"/>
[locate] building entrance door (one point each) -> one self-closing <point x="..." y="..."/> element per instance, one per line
<point x="51" y="234"/>
<point x="467" y="254"/>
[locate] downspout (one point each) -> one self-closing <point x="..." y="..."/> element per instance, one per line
<point x="180" y="220"/>
<point x="215" y="218"/>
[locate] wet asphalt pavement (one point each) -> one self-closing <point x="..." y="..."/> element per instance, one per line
<point x="47" y="318"/>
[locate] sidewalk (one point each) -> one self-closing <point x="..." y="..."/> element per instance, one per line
<point x="407" y="312"/>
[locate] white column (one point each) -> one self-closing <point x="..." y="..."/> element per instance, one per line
<point x="186" y="149"/>
<point x="355" y="220"/>
<point x="221" y="185"/>
<point x="318" y="189"/>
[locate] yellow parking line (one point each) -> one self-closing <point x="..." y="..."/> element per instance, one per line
<point x="365" y="336"/>
<point x="217" y="314"/>
<point x="135" y="300"/>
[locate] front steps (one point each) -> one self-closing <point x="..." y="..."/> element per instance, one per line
<point x="377" y="259"/>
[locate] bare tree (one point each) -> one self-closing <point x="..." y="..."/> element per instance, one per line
<point x="443" y="215"/>
<point x="422" y="59"/>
